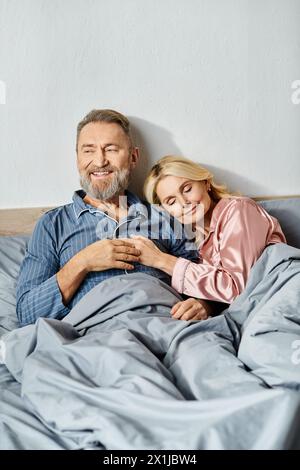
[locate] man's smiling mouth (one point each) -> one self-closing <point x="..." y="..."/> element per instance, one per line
<point x="100" y="174"/>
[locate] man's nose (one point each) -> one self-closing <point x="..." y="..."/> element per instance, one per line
<point x="101" y="157"/>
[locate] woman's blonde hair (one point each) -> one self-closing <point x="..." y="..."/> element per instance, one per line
<point x="184" y="168"/>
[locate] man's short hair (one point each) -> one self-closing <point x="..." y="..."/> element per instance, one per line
<point x="105" y="115"/>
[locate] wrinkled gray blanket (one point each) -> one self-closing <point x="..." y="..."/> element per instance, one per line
<point x="119" y="373"/>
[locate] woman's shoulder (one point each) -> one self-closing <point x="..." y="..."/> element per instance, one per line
<point x="235" y="206"/>
<point x="235" y="202"/>
<point x="242" y="211"/>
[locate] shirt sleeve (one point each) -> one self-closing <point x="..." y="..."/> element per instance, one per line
<point x="242" y="239"/>
<point x="38" y="294"/>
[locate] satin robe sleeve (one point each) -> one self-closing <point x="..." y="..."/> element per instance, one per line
<point x="244" y="230"/>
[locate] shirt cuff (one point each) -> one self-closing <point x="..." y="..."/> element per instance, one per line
<point x="58" y="301"/>
<point x="179" y="274"/>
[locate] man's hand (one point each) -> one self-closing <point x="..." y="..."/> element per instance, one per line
<point x="191" y="309"/>
<point x="99" y="256"/>
<point x="151" y="255"/>
<point x="108" y="254"/>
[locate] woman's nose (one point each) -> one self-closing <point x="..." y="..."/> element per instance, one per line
<point x="183" y="199"/>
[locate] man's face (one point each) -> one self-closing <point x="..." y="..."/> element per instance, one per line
<point x="105" y="159"/>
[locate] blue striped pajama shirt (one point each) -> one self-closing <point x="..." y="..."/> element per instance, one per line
<point x="62" y="232"/>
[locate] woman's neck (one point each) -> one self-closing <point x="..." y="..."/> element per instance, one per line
<point x="208" y="216"/>
<point x="203" y="230"/>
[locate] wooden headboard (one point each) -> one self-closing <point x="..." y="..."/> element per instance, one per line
<point x="22" y="221"/>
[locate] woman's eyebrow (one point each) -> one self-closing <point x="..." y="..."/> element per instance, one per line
<point x="179" y="189"/>
<point x="183" y="184"/>
<point x="167" y="198"/>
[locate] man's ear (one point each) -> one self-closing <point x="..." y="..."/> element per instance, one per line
<point x="135" y="156"/>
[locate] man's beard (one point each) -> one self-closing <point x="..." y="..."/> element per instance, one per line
<point x="117" y="183"/>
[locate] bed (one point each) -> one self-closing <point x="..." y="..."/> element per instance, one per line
<point x="114" y="377"/>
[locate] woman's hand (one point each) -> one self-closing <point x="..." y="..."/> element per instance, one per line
<point x="151" y="255"/>
<point x="191" y="309"/>
<point x="149" y="252"/>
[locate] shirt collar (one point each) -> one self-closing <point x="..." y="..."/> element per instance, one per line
<point x="80" y="206"/>
<point x="216" y="213"/>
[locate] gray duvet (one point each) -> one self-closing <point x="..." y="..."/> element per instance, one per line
<point x="119" y="373"/>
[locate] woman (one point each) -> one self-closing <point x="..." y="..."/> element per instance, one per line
<point x="234" y="229"/>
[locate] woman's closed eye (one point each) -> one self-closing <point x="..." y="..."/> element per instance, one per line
<point x="187" y="188"/>
<point x="170" y="202"/>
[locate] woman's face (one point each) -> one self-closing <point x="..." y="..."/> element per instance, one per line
<point x="185" y="199"/>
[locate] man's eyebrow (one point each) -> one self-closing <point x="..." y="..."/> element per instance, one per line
<point x="87" y="145"/>
<point x="94" y="145"/>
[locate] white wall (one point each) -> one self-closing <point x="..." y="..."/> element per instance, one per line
<point x="209" y="79"/>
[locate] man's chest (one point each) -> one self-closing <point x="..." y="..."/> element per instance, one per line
<point x="92" y="229"/>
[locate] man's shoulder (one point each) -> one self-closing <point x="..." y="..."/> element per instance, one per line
<point x="59" y="210"/>
<point x="51" y="216"/>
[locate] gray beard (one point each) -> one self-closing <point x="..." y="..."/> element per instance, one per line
<point x="118" y="184"/>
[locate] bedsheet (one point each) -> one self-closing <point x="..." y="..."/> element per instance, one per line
<point x="119" y="373"/>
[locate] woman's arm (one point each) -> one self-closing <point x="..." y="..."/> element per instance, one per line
<point x="243" y="235"/>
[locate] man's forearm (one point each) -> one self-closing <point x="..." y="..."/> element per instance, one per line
<point x="70" y="277"/>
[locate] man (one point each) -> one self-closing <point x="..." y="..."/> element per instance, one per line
<point x="76" y="246"/>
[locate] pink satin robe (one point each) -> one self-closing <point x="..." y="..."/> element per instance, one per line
<point x="240" y="230"/>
